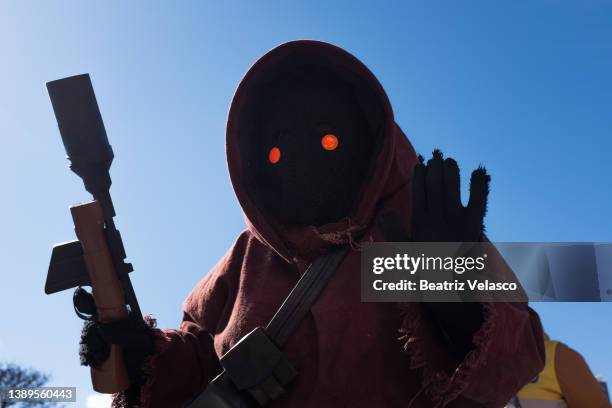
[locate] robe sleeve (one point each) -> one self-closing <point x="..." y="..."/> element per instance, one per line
<point x="507" y="351"/>
<point x="185" y="360"/>
<point x="183" y="364"/>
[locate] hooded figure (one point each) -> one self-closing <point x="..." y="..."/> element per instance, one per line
<point x="316" y="160"/>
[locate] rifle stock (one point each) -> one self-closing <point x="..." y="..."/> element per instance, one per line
<point x="111" y="376"/>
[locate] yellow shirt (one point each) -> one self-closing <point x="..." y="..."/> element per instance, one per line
<point x="544" y="390"/>
<point x="566" y="381"/>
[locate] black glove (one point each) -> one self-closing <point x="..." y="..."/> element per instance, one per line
<point x="131" y="333"/>
<point x="439" y="216"/>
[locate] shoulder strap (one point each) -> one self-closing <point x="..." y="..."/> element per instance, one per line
<point x="299" y="301"/>
<point x="256" y="365"/>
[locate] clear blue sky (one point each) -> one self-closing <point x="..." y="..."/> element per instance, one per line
<point x="524" y="88"/>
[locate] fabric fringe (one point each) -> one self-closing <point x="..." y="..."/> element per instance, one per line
<point x="441" y="386"/>
<point x="344" y="236"/>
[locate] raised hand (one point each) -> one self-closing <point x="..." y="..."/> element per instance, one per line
<point x="438" y="214"/>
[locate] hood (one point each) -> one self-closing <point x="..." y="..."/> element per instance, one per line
<point x="390" y="169"/>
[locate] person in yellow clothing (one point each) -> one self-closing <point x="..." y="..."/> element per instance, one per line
<point x="565" y="382"/>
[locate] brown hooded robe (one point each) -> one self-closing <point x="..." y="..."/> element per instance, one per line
<point x="348" y="353"/>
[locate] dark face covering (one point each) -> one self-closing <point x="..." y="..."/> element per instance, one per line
<point x="314" y="148"/>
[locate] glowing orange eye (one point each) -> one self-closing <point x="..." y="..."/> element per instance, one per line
<point x="274" y="155"/>
<point x="329" y="142"/>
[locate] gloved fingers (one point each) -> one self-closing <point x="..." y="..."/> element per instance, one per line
<point x="419" y="198"/>
<point x="434" y="184"/>
<point x="477" y="206"/>
<point x="452" y="187"/>
<point x="130" y="332"/>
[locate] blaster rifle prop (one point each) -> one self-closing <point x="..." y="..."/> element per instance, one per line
<point x="97" y="258"/>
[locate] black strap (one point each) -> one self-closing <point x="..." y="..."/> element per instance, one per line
<point x="222" y="392"/>
<point x="297" y="304"/>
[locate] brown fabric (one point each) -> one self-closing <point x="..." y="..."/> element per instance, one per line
<point x="578" y="384"/>
<point x="348" y="353"/>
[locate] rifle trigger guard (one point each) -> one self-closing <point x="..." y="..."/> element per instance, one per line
<point x="85" y="300"/>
